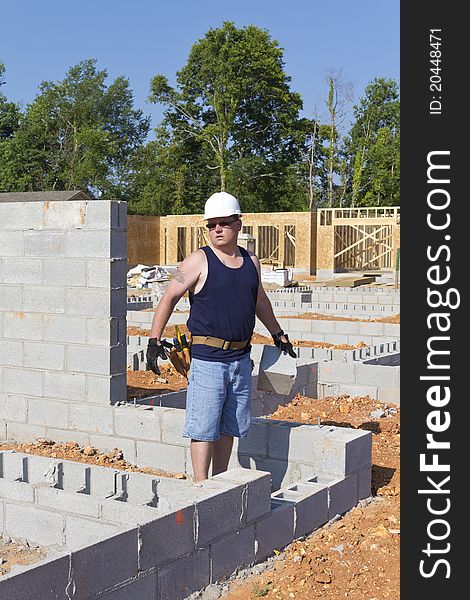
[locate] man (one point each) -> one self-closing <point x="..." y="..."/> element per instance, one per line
<point x="225" y="293"/>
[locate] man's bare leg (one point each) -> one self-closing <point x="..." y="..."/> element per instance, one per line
<point x="201" y="455"/>
<point x="221" y="454"/>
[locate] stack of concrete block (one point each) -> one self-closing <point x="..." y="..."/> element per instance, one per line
<point x="108" y="532"/>
<point x="62" y="312"/>
<point x="139" y="302"/>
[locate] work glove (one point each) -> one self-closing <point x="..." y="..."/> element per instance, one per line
<point x="286" y="346"/>
<point x="156" y="350"/>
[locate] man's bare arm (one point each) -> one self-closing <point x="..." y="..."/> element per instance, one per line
<point x="184" y="279"/>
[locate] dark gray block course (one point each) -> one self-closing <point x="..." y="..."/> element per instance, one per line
<point x="232" y="552"/>
<point x="184" y="576"/>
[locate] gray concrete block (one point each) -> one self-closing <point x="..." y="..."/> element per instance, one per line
<point x="107" y="272"/>
<point x="329" y="372"/>
<point x="101" y="332"/>
<point x="23" y="215"/>
<point x="44" y="355"/>
<point x="12" y="466"/>
<point x="276" y="530"/>
<point x="59" y="500"/>
<point x="34" y="524"/>
<point x="122" y="513"/>
<point x="64" y="214"/>
<point x="66" y="386"/>
<point x="41" y="299"/>
<point x="342" y="493"/>
<point x="17" y="491"/>
<point x="161" y="456"/>
<point x="172" y="425"/>
<point x="11" y="353"/>
<point x="89" y="302"/>
<point x="99" y="567"/>
<point x="144" y="587"/>
<point x="256" y="442"/>
<point x="88" y="243"/>
<point x="106" y="390"/>
<point x="166" y="538"/>
<point x="232" y="553"/>
<point x="81" y="532"/>
<point x="257" y="497"/>
<point x="88" y="358"/>
<point x="65" y="435"/>
<point x="389" y="395"/>
<point x="118" y="302"/>
<point x="47" y="578"/>
<point x="44" y="243"/>
<point x="13" y="408"/>
<point x="63" y="328"/>
<point x="310" y="504"/>
<point x="50" y="413"/>
<point x="11" y="297"/>
<point x="90" y="418"/>
<point x="184" y="576"/>
<point x="364" y="483"/>
<point x="22" y="326"/>
<point x="11" y="243"/>
<point x="379" y="375"/>
<point x="68" y="272"/>
<point x="24" y="432"/>
<point x="119" y="243"/>
<point x="277" y="372"/>
<point x="357" y="390"/>
<point x="25" y="271"/>
<point x="137" y="422"/>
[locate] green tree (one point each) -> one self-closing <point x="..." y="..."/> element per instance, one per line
<point x="373" y="146"/>
<point x="78" y="133"/>
<point x="9" y="111"/>
<point x="233" y="117"/>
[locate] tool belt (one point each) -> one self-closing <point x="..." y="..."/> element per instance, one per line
<point x="218" y="342"/>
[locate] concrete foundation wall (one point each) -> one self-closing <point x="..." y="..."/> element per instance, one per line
<point x="62" y="305"/>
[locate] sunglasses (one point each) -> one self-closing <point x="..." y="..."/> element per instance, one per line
<point x="211" y="226"/>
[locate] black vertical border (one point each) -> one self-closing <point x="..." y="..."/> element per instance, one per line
<point x="421" y="133"/>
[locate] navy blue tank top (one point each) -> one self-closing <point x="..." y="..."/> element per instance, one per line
<point x="225" y="306"/>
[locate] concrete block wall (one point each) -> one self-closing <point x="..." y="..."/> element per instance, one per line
<point x="62" y="306"/>
<point x="216" y="527"/>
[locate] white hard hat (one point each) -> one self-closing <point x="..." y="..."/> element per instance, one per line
<point x="221" y="204"/>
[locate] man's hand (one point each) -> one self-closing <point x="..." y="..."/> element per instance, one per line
<point x="281" y="340"/>
<point x="156" y="350"/>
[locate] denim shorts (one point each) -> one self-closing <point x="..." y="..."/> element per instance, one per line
<point x="218" y="400"/>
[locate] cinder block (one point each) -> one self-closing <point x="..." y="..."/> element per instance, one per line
<point x="379" y="375"/>
<point x="65" y="386"/>
<point x="69" y="272"/>
<point x="232" y="553"/>
<point x="141" y="588"/>
<point x="88" y="358"/>
<point x="155" y="549"/>
<point x="118" y="243"/>
<point x="42" y="299"/>
<point x="23" y="215"/>
<point x="11" y="353"/>
<point x="172" y="425"/>
<point x="137" y="422"/>
<point x="44" y="243"/>
<point x="22" y="326"/>
<point x="22" y="381"/>
<point x="88" y="243"/>
<point x="47" y="578"/>
<point x="371" y="329"/>
<point x="41" y="470"/>
<point x="44" y="355"/>
<point x="106" y="273"/>
<point x="94" y="419"/>
<point x="98" y="215"/>
<point x="63" y="328"/>
<point x="88" y="302"/>
<point x="99" y="567"/>
<point x="25" y="271"/>
<point x="81" y="532"/>
<point x="277" y="372"/>
<point x="101" y="332"/>
<point x="122" y="513"/>
<point x="50" y="413"/>
<point x="389" y="395"/>
<point x="358" y="390"/>
<point x="11" y="243"/>
<point x="65" y="435"/>
<point x="11" y="297"/>
<point x="256" y="442"/>
<point x="311" y="505"/>
<point x="342" y="493"/>
<point x="35" y="524"/>
<point x="80" y="504"/>
<point x="118" y="302"/>
<point x="329" y="372"/>
<point x="276" y="530"/>
<point x="364" y="483"/>
<point x="257" y="497"/>
<point x="161" y="456"/>
<point x="64" y="215"/>
<point x="346" y="327"/>
<point x="106" y="390"/>
<point x="17" y="491"/>
<point x="184" y="576"/>
<point x="13" y="408"/>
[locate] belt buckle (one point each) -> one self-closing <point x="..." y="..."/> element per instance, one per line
<point x="226" y="345"/>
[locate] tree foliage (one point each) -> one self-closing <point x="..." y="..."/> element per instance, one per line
<point x="78" y="133"/>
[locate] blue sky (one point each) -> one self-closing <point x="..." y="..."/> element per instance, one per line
<point x="41" y="40"/>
